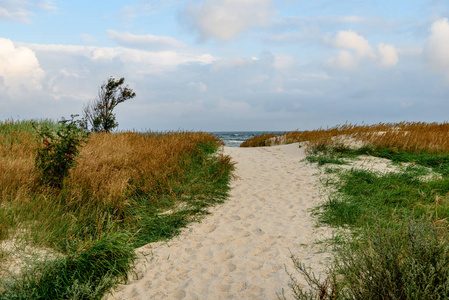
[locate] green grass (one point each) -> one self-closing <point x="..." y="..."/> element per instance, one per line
<point x="322" y="160"/>
<point x="87" y="274"/>
<point x="364" y="197"/>
<point x="9" y="126"/>
<point x="337" y="154"/>
<point x="398" y="243"/>
<point x="205" y="183"/>
<point x="93" y="243"/>
<point x="437" y="162"/>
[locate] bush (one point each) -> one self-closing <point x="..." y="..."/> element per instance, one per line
<point x="59" y="150"/>
<point x="409" y="261"/>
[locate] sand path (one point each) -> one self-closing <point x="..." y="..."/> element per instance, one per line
<point x="239" y="251"/>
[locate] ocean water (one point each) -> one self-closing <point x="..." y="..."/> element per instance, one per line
<point x="235" y="138"/>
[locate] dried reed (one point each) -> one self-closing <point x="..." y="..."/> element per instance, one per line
<point x="407" y="136"/>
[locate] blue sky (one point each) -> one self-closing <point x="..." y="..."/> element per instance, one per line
<point x="216" y="65"/>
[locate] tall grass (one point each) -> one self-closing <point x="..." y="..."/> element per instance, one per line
<point x="407" y="136"/>
<point x="128" y="189"/>
<point x="262" y="140"/>
<point x="396" y="239"/>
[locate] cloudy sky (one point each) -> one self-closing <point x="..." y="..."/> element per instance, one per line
<point x="219" y="65"/>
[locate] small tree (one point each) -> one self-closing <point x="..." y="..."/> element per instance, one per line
<point x="98" y="112"/>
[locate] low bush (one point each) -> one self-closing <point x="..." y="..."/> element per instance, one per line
<point x="59" y="150"/>
<point x="406" y="260"/>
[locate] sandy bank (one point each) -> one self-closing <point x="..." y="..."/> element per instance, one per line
<point x="240" y="250"/>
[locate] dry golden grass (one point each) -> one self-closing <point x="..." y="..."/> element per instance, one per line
<point x="407" y="136"/>
<point x="111" y="167"/>
<point x="16" y="162"/>
<point x="259" y="140"/>
<point x="126" y="190"/>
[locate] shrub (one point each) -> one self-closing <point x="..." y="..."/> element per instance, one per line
<point x="59" y="150"/>
<point x="410" y="261"/>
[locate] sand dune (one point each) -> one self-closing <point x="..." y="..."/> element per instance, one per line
<point x="240" y="250"/>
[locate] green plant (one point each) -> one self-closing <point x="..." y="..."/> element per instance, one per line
<point x="88" y="274"/>
<point x="99" y="111"/>
<point x="395" y="241"/>
<point x="326" y="159"/>
<point x="59" y="150"/>
<point x="317" y="289"/>
<point x="402" y="260"/>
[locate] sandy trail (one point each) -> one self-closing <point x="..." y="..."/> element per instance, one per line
<point x="239" y="251"/>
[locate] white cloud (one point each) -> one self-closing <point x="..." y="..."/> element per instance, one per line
<point x="144" y="8"/>
<point x="345" y="60"/>
<point x="45" y="4"/>
<point x="412" y="52"/>
<point x="225" y="19"/>
<point x="133" y="11"/>
<point x="357" y="49"/>
<point x="104" y="53"/>
<point x="388" y="55"/>
<point x="69" y="74"/>
<point x="141" y="61"/>
<point x="73" y="73"/>
<point x="258" y="79"/>
<point x="229" y="106"/>
<point x="315" y="75"/>
<point x="21" y="10"/>
<point x="283" y="61"/>
<point x="88" y="38"/>
<point x="354" y="41"/>
<point x="19" y="68"/>
<point x="437" y="48"/>
<point x="17" y="14"/>
<point x="350" y="19"/>
<point x="146" y="62"/>
<point x="69" y="49"/>
<point x="231" y="63"/>
<point x="201" y="87"/>
<point x="148" y="41"/>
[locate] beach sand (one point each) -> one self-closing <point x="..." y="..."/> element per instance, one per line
<point x="241" y="250"/>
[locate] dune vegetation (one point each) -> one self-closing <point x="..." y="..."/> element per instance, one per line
<point x="391" y="227"/>
<point x="76" y="239"/>
<point x="406" y="136"/>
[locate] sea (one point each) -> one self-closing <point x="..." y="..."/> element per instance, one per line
<point x="235" y="138"/>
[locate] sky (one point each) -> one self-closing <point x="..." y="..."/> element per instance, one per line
<point x="228" y="65"/>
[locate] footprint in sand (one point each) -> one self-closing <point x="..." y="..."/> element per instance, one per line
<point x="208" y="228"/>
